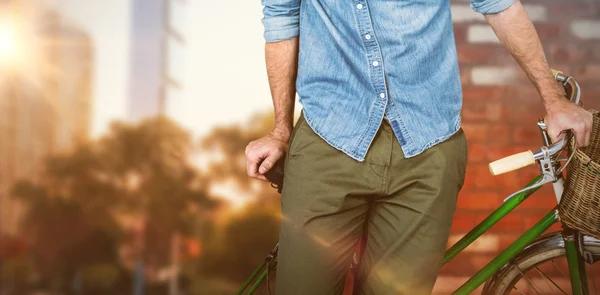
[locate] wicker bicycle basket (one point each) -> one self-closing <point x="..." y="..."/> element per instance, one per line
<point x="580" y="204"/>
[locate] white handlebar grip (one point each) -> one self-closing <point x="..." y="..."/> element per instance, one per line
<point x="512" y="163"/>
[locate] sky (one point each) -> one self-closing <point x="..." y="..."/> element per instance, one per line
<point x="225" y="78"/>
<point x="107" y="22"/>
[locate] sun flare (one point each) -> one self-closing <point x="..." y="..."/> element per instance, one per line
<point x="9" y="43"/>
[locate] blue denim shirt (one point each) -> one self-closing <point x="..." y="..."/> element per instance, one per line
<point x="363" y="60"/>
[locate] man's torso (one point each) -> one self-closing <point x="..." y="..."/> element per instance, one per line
<point x="362" y="60"/>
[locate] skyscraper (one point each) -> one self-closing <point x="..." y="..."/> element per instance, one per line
<point x="157" y="57"/>
<point x="44" y="97"/>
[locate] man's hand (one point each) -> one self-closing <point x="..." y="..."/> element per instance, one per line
<point x="515" y="30"/>
<point x="263" y="153"/>
<point x="282" y="68"/>
<point x="562" y="114"/>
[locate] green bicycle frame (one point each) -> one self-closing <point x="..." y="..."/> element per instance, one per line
<point x="490" y="221"/>
<point x="511" y="252"/>
<point x="573" y="257"/>
<point x="577" y="270"/>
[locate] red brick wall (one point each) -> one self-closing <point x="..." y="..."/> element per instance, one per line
<point x="500" y="115"/>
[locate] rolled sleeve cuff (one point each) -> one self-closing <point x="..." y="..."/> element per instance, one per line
<point x="281" y="28"/>
<point x="491" y="7"/>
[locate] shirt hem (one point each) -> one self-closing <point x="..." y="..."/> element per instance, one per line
<point x="350" y="154"/>
<point x="436" y="141"/>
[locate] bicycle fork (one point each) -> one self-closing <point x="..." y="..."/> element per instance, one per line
<point x="577" y="268"/>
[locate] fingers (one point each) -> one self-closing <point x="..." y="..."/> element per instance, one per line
<point x="252" y="168"/>
<point x="582" y="132"/>
<point x="261" y="157"/>
<point x="577" y="120"/>
<point x="555" y="133"/>
<point x="588" y="137"/>
<point x="581" y="137"/>
<point x="589" y="125"/>
<point x="254" y="157"/>
<point x="270" y="161"/>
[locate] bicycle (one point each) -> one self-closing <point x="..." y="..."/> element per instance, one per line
<point x="533" y="251"/>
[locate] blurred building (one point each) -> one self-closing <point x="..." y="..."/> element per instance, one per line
<point x="44" y="97"/>
<point x="157" y="57"/>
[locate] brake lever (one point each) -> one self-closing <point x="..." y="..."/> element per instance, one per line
<point x="545" y="180"/>
<point x="544" y="155"/>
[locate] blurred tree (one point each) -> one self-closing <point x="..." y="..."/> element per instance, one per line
<point x="68" y="224"/>
<point x="148" y="164"/>
<point x="15" y="267"/>
<point x="244" y="243"/>
<point x="237" y="246"/>
<point x="78" y="213"/>
<point x="228" y="147"/>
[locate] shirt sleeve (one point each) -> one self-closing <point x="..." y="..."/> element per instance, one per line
<point x="491" y="6"/>
<point x="281" y="19"/>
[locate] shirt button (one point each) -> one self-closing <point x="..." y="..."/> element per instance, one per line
<point x="367" y="36"/>
<point x="375" y="63"/>
<point x="382" y="95"/>
<point x="359" y="6"/>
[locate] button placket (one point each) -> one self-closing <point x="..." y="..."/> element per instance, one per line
<point x="373" y="51"/>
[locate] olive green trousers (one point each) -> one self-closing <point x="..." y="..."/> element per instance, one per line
<point x="404" y="205"/>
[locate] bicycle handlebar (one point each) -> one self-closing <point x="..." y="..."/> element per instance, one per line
<point x="511" y="163"/>
<point x="520" y="160"/>
<point x="573" y="91"/>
